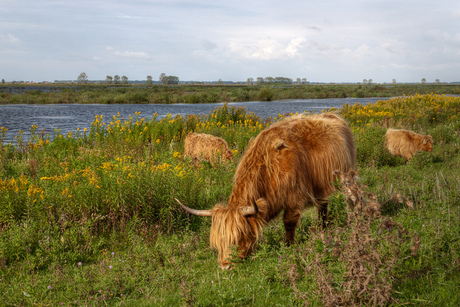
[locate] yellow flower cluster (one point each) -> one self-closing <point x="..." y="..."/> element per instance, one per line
<point x="18" y="186"/>
<point x="34" y="190"/>
<point x="87" y="173"/>
<point x="13" y="184"/>
<point x="91" y="176"/>
<point x="119" y="126"/>
<point x="161" y="167"/>
<point x="252" y="125"/>
<point x="428" y="108"/>
<point x="178" y="170"/>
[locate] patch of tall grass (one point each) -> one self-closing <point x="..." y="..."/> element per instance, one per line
<point x="139" y="94"/>
<point x="89" y="218"/>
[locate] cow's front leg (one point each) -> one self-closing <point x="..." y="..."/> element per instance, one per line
<point x="322" y="212"/>
<point x="291" y="219"/>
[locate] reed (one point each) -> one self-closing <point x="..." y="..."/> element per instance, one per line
<point x="140" y="94"/>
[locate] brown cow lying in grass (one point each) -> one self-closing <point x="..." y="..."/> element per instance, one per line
<point x="289" y="166"/>
<point x="201" y="146"/>
<point x="406" y="143"/>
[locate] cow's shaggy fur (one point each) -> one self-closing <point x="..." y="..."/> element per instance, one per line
<point x="287" y="167"/>
<point x="201" y="146"/>
<point x="406" y="143"/>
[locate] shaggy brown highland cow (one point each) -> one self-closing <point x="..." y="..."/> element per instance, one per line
<point x="201" y="146"/>
<point x="406" y="143"/>
<point x="287" y="167"/>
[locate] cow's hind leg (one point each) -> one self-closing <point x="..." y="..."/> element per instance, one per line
<point x="291" y="219"/>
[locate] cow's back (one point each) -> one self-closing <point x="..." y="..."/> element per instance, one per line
<point x="206" y="146"/>
<point x="293" y="160"/>
<point x="406" y="143"/>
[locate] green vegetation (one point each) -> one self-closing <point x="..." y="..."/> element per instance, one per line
<point x="89" y="219"/>
<point x="117" y="93"/>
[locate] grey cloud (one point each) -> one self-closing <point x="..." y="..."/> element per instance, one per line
<point x="208" y="45"/>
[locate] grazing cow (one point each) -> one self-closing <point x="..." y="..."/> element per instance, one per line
<point x="406" y="143"/>
<point x="287" y="167"/>
<point x="201" y="146"/>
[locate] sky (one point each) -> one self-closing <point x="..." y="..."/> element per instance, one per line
<point x="233" y="40"/>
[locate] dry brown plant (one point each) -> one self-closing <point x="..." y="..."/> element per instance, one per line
<point x="368" y="253"/>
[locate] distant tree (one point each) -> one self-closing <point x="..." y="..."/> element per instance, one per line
<point x="304" y="80"/>
<point x="437" y="81"/>
<point x="394" y="81"/>
<point x="250" y="81"/>
<point x="172" y="80"/>
<point x="283" y="80"/>
<point x="260" y="80"/>
<point x="299" y="81"/>
<point x="108" y="79"/>
<point x="3" y="81"/>
<point x="149" y="80"/>
<point x="124" y="80"/>
<point x="163" y="78"/>
<point x="423" y="80"/>
<point x="364" y="81"/>
<point x="220" y="82"/>
<point x="370" y="81"/>
<point x="269" y="79"/>
<point x="82" y="78"/>
<point x="116" y="79"/>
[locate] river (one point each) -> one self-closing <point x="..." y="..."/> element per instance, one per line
<point x="69" y="117"/>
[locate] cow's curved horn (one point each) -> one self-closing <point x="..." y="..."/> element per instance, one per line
<point x="250" y="210"/>
<point x="194" y="211"/>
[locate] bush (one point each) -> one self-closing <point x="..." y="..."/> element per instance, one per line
<point x="265" y="94"/>
<point x="370" y="148"/>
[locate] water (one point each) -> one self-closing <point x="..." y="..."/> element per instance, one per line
<point x="69" y="117"/>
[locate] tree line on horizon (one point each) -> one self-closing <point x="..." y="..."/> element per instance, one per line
<point x="166" y="80"/>
<point x="116" y="79"/>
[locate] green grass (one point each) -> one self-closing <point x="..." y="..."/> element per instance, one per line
<point x="90" y="219"/>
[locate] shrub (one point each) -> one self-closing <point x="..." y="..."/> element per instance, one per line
<point x="353" y="265"/>
<point x="265" y="94"/>
<point x="370" y="147"/>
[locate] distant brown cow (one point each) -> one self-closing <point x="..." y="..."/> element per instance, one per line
<point x="201" y="146"/>
<point x="287" y="167"/>
<point x="406" y="143"/>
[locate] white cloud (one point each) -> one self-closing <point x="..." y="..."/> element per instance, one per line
<point x="10" y="39"/>
<point x="267" y="48"/>
<point x="394" y="46"/>
<point x="294" y="46"/>
<point x="140" y="55"/>
<point x="128" y="17"/>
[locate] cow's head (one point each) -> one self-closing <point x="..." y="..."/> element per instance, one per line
<point x="232" y="227"/>
<point x="427" y="143"/>
<point x="227" y="154"/>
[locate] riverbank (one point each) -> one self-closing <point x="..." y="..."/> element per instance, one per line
<point x="195" y="94"/>
<point x="52" y="119"/>
<point x="90" y="218"/>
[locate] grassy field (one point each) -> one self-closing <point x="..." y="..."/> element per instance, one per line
<point x="89" y="219"/>
<point x="111" y="94"/>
